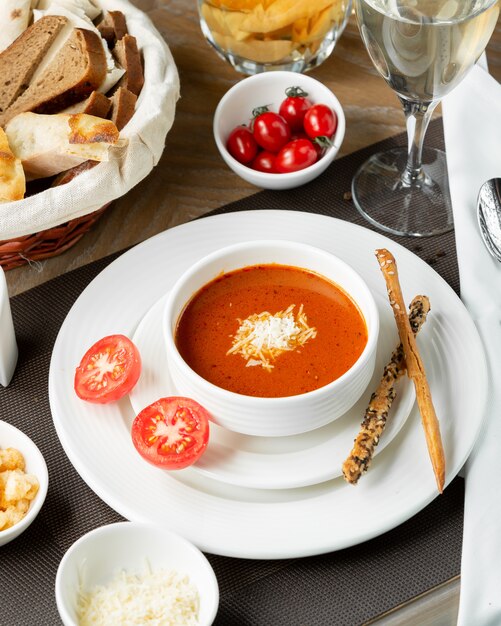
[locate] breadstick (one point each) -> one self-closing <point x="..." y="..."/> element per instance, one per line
<point x="381" y="400"/>
<point x="415" y="367"/>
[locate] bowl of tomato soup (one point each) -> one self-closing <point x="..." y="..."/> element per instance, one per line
<point x="274" y="338"/>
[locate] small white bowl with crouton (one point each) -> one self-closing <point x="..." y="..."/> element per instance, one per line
<point x="24" y="481"/>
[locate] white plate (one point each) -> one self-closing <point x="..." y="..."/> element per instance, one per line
<point x="272" y="462"/>
<point x="257" y="523"/>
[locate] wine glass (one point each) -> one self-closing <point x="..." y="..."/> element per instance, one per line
<point x="423" y="49"/>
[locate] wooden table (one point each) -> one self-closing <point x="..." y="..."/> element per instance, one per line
<point x="192" y="179"/>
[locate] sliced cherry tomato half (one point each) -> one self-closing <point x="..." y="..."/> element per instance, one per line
<point x="271" y="131"/>
<point x="241" y="144"/>
<point x="294" y="107"/>
<point x="296" y="155"/>
<point x="108" y="370"/>
<point x="264" y="162"/>
<point x="320" y="121"/>
<point x="171" y="433"/>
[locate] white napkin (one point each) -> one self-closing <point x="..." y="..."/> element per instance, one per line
<point x="472" y="126"/>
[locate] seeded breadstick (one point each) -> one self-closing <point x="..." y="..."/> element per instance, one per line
<point x="381" y="400"/>
<point x="415" y="367"/>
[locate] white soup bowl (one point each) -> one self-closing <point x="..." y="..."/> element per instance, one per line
<point x="282" y="416"/>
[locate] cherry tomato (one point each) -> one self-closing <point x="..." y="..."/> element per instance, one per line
<point x="319" y="143"/>
<point x="295" y="156"/>
<point x="271" y="131"/>
<point x="264" y="162"/>
<point x="320" y="121"/>
<point x="108" y="370"/>
<point x="171" y="433"/>
<point x="241" y="144"/>
<point x="294" y="107"/>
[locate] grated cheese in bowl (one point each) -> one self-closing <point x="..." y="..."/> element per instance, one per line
<point x="262" y="337"/>
<point x="156" y="598"/>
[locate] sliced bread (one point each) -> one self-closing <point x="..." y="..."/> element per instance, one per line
<point x="20" y="60"/>
<point x="127" y="54"/>
<point x="78" y="69"/>
<point x="113" y="27"/>
<point x="66" y="177"/>
<point x="12" y="179"/>
<point x="50" y="144"/>
<point x="123" y="103"/>
<point x="96" y="104"/>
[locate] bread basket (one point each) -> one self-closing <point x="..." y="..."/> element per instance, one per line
<point x="51" y="221"/>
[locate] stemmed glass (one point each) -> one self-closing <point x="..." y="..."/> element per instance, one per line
<point x="423" y="49"/>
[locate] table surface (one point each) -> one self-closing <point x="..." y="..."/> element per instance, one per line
<point x="192" y="179"/>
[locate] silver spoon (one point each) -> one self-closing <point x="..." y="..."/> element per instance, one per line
<point x="489" y="215"/>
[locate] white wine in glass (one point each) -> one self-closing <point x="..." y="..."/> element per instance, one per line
<point x="423" y="49"/>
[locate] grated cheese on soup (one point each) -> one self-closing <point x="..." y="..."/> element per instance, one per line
<point x="262" y="337"/>
<point x="159" y="598"/>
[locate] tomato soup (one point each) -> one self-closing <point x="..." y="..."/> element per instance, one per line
<point x="271" y="331"/>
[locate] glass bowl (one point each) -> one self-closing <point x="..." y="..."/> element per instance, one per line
<point x="259" y="35"/>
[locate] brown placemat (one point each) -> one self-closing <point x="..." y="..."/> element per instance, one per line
<point x="349" y="587"/>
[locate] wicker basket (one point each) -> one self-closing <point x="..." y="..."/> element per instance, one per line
<point x="47" y="243"/>
<point x="145" y="133"/>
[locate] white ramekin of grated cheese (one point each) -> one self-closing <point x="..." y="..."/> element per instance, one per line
<point x="132" y="573"/>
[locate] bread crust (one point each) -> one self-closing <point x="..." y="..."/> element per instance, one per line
<point x="85" y="129"/>
<point x="113" y="27"/>
<point x="127" y="54"/>
<point x="69" y="175"/>
<point x="123" y="105"/>
<point x="97" y="104"/>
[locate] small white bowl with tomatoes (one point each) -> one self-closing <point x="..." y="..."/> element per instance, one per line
<point x="279" y="130"/>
